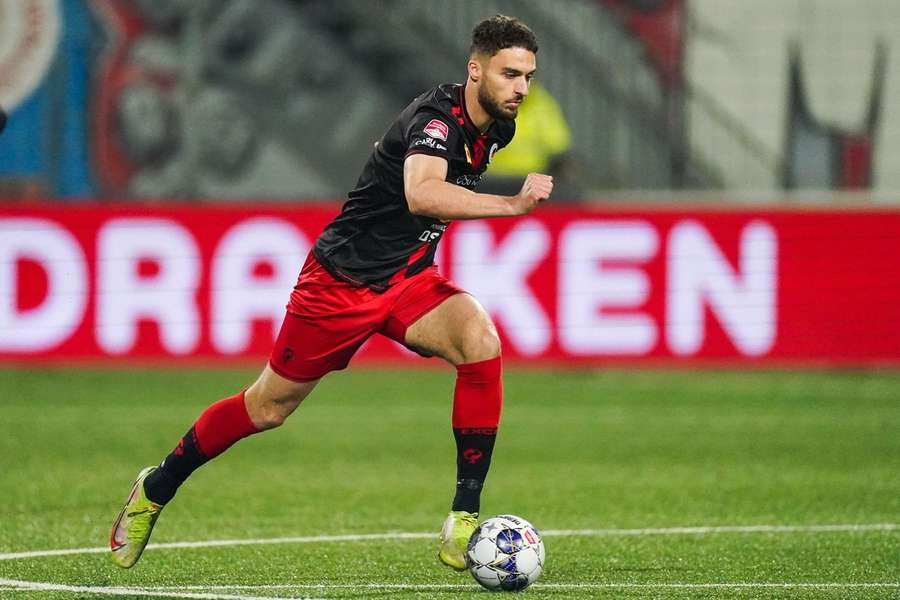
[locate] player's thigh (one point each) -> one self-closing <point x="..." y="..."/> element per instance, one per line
<point x="272" y="398"/>
<point x="458" y="330"/>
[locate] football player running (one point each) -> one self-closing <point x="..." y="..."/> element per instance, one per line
<point x="371" y="271"/>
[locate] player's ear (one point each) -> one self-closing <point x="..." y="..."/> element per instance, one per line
<point x="475" y="70"/>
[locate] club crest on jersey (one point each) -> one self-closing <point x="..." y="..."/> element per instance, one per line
<point x="437" y="129"/>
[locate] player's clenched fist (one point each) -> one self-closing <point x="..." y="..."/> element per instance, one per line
<point x="536" y="189"/>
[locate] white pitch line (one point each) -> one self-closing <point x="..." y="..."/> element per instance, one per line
<point x="724" y="529"/>
<point x="458" y="586"/>
<point x="450" y="587"/>
<point x="428" y="535"/>
<point x="33" y="586"/>
<point x="308" y="539"/>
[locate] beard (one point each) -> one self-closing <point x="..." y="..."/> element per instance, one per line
<point x="492" y="107"/>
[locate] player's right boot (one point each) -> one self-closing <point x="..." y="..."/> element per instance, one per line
<point x="132" y="528"/>
<point x="455" y="534"/>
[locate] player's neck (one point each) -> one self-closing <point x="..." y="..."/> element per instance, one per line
<point x="480" y="118"/>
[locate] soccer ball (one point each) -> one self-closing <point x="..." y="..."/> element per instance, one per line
<point x="505" y="553"/>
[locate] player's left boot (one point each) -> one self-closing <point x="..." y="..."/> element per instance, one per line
<point x="455" y="536"/>
<point x="133" y="526"/>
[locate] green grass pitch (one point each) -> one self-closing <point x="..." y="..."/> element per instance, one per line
<point x="625" y="455"/>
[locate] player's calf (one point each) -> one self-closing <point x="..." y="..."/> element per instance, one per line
<point x="216" y="430"/>
<point x="477" y="404"/>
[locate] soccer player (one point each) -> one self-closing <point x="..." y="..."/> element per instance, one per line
<point x="371" y="271"/>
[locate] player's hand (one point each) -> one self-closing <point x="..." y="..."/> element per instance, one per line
<point x="536" y="189"/>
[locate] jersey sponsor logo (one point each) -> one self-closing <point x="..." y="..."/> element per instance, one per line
<point x="494" y="148"/>
<point x="468" y="180"/>
<point x="437" y="129"/>
<point x="431" y="143"/>
<point x="433" y="233"/>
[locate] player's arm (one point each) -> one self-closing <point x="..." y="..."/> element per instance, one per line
<point x="429" y="195"/>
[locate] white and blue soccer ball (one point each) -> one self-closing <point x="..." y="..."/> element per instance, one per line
<point x="505" y="553"/>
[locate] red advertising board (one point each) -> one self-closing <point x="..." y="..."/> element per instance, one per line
<point x="580" y="285"/>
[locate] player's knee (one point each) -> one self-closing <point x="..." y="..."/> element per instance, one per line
<point x="272" y="399"/>
<point x="480" y="343"/>
<point x="270" y="415"/>
<point x="269" y="412"/>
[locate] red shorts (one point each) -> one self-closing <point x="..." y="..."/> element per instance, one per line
<point x="328" y="320"/>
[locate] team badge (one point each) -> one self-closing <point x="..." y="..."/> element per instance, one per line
<point x="494" y="148"/>
<point x="437" y="129"/>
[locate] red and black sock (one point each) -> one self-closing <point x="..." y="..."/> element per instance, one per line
<point x="477" y="403"/>
<point x="220" y="426"/>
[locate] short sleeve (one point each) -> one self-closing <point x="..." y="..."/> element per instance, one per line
<point x="431" y="133"/>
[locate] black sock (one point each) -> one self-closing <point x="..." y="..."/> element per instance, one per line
<point x="161" y="485"/>
<point x="473" y="459"/>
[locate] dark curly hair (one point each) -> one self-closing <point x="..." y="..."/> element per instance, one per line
<point x="495" y="33"/>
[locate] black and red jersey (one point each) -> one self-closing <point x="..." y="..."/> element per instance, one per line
<point x="376" y="241"/>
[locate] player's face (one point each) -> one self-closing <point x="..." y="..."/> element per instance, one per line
<point x="505" y="81"/>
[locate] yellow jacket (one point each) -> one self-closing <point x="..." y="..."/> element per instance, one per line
<point x="541" y="134"/>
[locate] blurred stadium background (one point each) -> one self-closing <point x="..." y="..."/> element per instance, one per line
<point x="117" y="99"/>
<point x="728" y="196"/>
